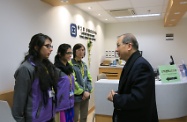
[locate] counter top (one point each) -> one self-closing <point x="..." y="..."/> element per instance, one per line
<point x="171" y="98"/>
<point x="113" y="66"/>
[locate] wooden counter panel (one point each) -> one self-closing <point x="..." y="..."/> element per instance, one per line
<point x="8" y="96"/>
<point x="103" y="118"/>
<point x="182" y="119"/>
<point x="111" y="73"/>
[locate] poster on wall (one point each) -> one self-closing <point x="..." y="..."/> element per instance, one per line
<point x="110" y="54"/>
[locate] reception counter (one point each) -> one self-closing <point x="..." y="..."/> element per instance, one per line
<point x="171" y="99"/>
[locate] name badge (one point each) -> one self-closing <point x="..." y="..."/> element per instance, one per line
<point x="51" y="93"/>
<point x="71" y="93"/>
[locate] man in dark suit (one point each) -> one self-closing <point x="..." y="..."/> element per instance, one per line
<point x="135" y="99"/>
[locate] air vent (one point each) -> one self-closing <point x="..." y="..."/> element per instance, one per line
<point x="122" y="12"/>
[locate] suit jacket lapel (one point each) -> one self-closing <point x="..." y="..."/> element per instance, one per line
<point x="126" y="70"/>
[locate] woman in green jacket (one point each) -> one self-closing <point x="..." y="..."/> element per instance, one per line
<point x="83" y="85"/>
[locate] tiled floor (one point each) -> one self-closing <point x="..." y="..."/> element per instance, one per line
<point x="90" y="117"/>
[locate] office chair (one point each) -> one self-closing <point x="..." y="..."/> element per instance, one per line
<point x="101" y="76"/>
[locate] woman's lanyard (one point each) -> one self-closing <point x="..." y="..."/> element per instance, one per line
<point x="46" y="69"/>
<point x="82" y="69"/>
<point x="52" y="91"/>
<point x="81" y="66"/>
<point x="70" y="81"/>
<point x="82" y="72"/>
<point x="71" y="93"/>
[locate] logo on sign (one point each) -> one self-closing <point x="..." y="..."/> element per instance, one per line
<point x="73" y="30"/>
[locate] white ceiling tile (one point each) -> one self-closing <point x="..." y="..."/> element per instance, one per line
<point x="140" y="7"/>
<point x="84" y="6"/>
<point x="149" y="10"/>
<point x="99" y="12"/>
<point x="150" y="18"/>
<point x="115" y="4"/>
<point x="109" y="21"/>
<point x="128" y="20"/>
<point x="145" y="3"/>
<point x="103" y="19"/>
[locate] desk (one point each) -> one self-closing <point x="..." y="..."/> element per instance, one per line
<point x="7" y="96"/>
<point x="171" y="99"/>
<point x="111" y="72"/>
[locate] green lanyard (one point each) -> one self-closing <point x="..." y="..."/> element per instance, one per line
<point x="82" y="70"/>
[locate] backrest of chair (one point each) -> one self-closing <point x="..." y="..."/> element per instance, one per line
<point x="101" y="76"/>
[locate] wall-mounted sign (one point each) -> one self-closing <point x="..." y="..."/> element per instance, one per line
<point x="169" y="37"/>
<point x="73" y="30"/>
<point x="84" y="33"/>
<point x="169" y="73"/>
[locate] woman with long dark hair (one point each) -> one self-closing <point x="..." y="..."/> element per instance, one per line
<point x="35" y="83"/>
<point x="65" y="87"/>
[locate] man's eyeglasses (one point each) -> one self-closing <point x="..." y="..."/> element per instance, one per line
<point x="69" y="53"/>
<point x="48" y="46"/>
<point x="118" y="45"/>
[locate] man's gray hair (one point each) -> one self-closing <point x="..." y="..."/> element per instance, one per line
<point x="130" y="38"/>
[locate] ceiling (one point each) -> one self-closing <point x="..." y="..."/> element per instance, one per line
<point x="104" y="10"/>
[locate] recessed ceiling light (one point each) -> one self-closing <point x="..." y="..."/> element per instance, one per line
<point x="106" y="19"/>
<point x="177" y="12"/>
<point x="183" y="2"/>
<point x="99" y="14"/>
<point x="89" y="7"/>
<point x="134" y="16"/>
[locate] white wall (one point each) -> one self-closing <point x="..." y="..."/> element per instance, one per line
<point x="151" y="36"/>
<point x="21" y="19"/>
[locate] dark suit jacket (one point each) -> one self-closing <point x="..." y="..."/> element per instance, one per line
<point x="135" y="101"/>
